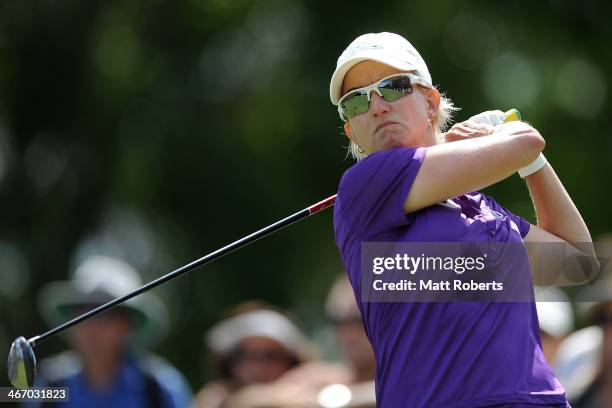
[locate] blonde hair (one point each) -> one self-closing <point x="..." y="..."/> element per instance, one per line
<point x="440" y="123"/>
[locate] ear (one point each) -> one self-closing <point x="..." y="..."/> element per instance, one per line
<point x="349" y="132"/>
<point x="433" y="102"/>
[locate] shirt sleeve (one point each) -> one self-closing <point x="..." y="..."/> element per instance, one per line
<point x="373" y="192"/>
<point x="522" y="224"/>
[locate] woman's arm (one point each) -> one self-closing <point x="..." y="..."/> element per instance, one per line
<point x="560" y="246"/>
<point x="456" y="168"/>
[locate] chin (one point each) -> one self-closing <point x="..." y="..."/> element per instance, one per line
<point x="393" y="140"/>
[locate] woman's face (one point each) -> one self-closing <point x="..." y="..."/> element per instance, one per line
<point x="401" y="123"/>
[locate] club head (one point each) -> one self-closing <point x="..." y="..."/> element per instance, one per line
<point x="21" y="364"/>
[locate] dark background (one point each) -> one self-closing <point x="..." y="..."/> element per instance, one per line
<point x="158" y="131"/>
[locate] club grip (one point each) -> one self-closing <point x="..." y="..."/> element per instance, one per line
<point x="512" y="114"/>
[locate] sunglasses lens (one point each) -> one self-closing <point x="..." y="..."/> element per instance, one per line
<point x="395" y="88"/>
<point x="354" y="105"/>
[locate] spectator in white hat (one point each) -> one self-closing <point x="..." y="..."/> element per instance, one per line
<point x="556" y="320"/>
<point x="254" y="348"/>
<point x="585" y="358"/>
<point x="109" y="367"/>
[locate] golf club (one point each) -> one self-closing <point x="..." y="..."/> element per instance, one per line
<point x="22" y="361"/>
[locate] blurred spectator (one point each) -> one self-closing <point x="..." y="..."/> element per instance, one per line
<point x="255" y="347"/>
<point x="586" y="356"/>
<point x="556" y="320"/>
<point x="106" y="369"/>
<point x="250" y="377"/>
<point x="342" y="311"/>
<point x="578" y="362"/>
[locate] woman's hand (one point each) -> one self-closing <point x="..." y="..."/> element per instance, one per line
<point x="468" y="129"/>
<point x="482" y="124"/>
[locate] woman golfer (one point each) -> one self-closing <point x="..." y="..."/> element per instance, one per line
<point x="444" y="354"/>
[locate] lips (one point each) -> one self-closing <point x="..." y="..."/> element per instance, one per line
<point x="383" y="124"/>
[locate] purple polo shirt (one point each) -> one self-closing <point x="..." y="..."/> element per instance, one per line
<point x="444" y="354"/>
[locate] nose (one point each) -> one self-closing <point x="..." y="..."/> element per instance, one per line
<point x="378" y="105"/>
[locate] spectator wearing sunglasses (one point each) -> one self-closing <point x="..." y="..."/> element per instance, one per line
<point x="254" y="348"/>
<point x="342" y="312"/>
<point x="414" y="183"/>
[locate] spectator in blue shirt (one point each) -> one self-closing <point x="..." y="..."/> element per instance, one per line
<point x="107" y="367"/>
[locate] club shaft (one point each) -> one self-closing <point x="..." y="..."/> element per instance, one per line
<point x="306" y="212"/>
